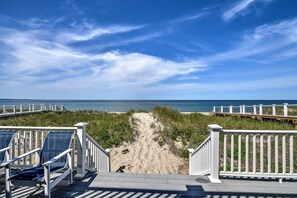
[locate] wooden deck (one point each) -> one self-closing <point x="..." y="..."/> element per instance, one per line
<point x="161" y="186"/>
<point x="292" y="119"/>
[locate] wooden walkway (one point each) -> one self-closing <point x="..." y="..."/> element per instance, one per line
<point x="292" y="119"/>
<point x="161" y="186"/>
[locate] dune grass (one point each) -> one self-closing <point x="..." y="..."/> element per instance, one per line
<point x="106" y="128"/>
<point x="192" y="129"/>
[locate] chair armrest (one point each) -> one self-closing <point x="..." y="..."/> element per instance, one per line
<point x="20" y="157"/>
<point x="57" y="157"/>
<point x="5" y="149"/>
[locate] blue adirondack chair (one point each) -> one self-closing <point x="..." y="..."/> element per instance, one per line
<point x="56" y="156"/>
<point x="6" y="138"/>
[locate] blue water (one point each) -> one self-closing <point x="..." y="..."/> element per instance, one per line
<point x="147" y="105"/>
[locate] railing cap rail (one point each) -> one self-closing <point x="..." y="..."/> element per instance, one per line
<point x="260" y="131"/>
<point x="81" y="124"/>
<point x="38" y="128"/>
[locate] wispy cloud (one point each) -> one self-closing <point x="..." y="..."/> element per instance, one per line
<point x="89" y="34"/>
<point x="237" y="9"/>
<point x="268" y="39"/>
<point x="29" y="57"/>
<point x="190" y="17"/>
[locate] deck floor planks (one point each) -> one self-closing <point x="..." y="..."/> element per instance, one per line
<point x="167" y="186"/>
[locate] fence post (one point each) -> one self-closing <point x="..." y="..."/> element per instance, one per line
<point x="243" y="109"/>
<point x="260" y="109"/>
<point x="214" y="109"/>
<point x="222" y="109"/>
<point x="14" y="109"/>
<point x="215" y="153"/>
<point x="33" y="107"/>
<point x="191" y="150"/>
<point x="4" y="109"/>
<point x="108" y="161"/>
<point x="285" y="109"/>
<point x="81" y="149"/>
<point x="273" y="110"/>
<point x="255" y="109"/>
<point x="29" y="108"/>
<point x="21" y="108"/>
<point x="240" y="109"/>
<point x="62" y="108"/>
<point x="230" y="109"/>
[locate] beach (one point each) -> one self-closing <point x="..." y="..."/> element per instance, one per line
<point x="145" y="155"/>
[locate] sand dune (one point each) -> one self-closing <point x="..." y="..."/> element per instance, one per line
<point x="145" y="155"/>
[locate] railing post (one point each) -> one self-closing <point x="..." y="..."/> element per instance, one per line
<point x="62" y="108"/>
<point x="29" y="108"/>
<point x="215" y="153"/>
<point x="81" y="149"/>
<point x="55" y="108"/>
<point x="222" y="109"/>
<point x="230" y="109"/>
<point x="260" y="109"/>
<point x="108" y="161"/>
<point x="190" y="160"/>
<point x="214" y="109"/>
<point x="14" y="109"/>
<point x="4" y="109"/>
<point x="285" y="109"/>
<point x="273" y="110"/>
<point x="240" y="109"/>
<point x="21" y="108"/>
<point x="243" y="109"/>
<point x="255" y="109"/>
<point x="33" y="107"/>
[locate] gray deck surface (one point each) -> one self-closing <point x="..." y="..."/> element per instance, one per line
<point x="161" y="186"/>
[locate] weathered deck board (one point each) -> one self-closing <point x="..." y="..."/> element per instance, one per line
<point x="169" y="186"/>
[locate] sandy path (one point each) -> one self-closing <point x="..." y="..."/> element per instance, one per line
<point x="145" y="155"/>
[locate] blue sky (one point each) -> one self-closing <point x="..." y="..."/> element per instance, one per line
<point x="148" y="49"/>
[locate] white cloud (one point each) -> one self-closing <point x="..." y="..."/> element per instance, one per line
<point x="239" y="7"/>
<point x="190" y="17"/>
<point x="268" y="39"/>
<point x="29" y="59"/>
<point x="89" y="34"/>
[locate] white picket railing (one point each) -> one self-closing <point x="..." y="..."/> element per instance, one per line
<point x="96" y="156"/>
<point x="246" y="153"/>
<point x="200" y="158"/>
<point x="271" y="110"/>
<point x="29" y="108"/>
<point x="28" y="138"/>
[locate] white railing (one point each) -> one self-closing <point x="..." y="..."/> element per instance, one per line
<point x="28" y="138"/>
<point x="200" y="159"/>
<point x="248" y="153"/>
<point x="29" y="108"/>
<point x="271" y="110"/>
<point x="96" y="156"/>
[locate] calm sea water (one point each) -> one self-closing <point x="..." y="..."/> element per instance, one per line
<point x="147" y="105"/>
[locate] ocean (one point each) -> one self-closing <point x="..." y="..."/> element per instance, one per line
<point x="147" y="105"/>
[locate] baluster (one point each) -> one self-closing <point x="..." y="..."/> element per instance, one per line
<point x="291" y="154"/>
<point x="232" y="152"/>
<point x="239" y="153"/>
<point x="25" y="143"/>
<point x="284" y="153"/>
<point x="30" y="146"/>
<point x="19" y="143"/>
<point x="247" y="153"/>
<point x="254" y="154"/>
<point x="276" y="153"/>
<point x="269" y="154"/>
<point x="261" y="153"/>
<point x="225" y="152"/>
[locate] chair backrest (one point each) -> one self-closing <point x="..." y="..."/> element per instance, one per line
<point x="54" y="144"/>
<point x="5" y="140"/>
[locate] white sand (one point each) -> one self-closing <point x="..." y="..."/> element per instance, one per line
<point x="145" y="155"/>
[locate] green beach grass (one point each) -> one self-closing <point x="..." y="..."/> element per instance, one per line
<point x="106" y="128"/>
<point x="192" y="129"/>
